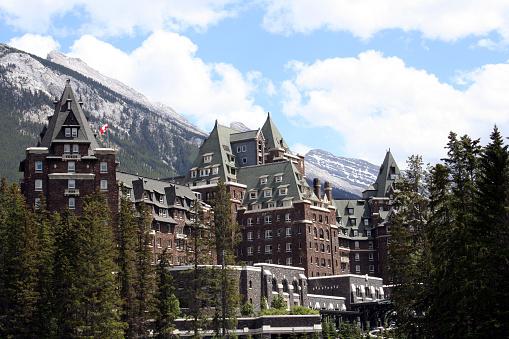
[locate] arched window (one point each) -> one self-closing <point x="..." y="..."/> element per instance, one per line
<point x="274" y="285"/>
<point x="327" y="235"/>
<point x="321" y="233"/>
<point x="295" y="287"/>
<point x="285" y="286"/>
<point x="315" y="234"/>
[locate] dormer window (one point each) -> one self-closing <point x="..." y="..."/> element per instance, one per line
<point x="161" y="199"/>
<point x="279" y="178"/>
<point x="263" y="180"/>
<point x="267" y="193"/>
<point x="283" y="191"/>
<point x="253" y="195"/>
<point x="193" y="174"/>
<point x="207" y="157"/>
<point x="257" y="207"/>
<point x="350" y="211"/>
<point x="271" y="205"/>
<point x="74" y="132"/>
<point x="215" y="170"/>
<point x="68" y="104"/>
<point x="204" y="172"/>
<point x="67" y="132"/>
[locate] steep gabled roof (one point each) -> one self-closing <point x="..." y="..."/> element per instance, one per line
<point x="273" y="138"/>
<point x="388" y="174"/>
<point x="72" y="116"/>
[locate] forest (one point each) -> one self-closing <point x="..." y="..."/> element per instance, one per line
<point x="449" y="246"/>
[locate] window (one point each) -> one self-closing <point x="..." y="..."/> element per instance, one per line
<point x="357" y="257"/>
<point x="104" y="167"/>
<point x="288" y="261"/>
<point x="267" y="193"/>
<point x="161" y="199"/>
<point x="38" y="166"/>
<point x="357" y="268"/>
<point x="272" y="205"/>
<point x="204" y="172"/>
<point x="350" y="211"/>
<point x="263" y="180"/>
<point x="38" y="185"/>
<point x="104" y="185"/>
<point x="355" y="233"/>
<point x="243" y="148"/>
<point x="288" y="217"/>
<point x="371" y="268"/>
<point x="37" y="203"/>
<point x="321" y="233"/>
<point x="159" y="242"/>
<point x="283" y="191"/>
<point x="279" y="178"/>
<point x="249" y="221"/>
<point x="288" y="232"/>
<point x="71" y="167"/>
<point x="74" y="132"/>
<point x="67" y="148"/>
<point x="352" y="221"/>
<point x="215" y="170"/>
<point x="257" y="207"/>
<point x="268" y="234"/>
<point x="252" y="195"/>
<point x="356" y="244"/>
<point x="287" y="203"/>
<point x="288" y="247"/>
<point x="366" y="222"/>
<point x="322" y="248"/>
<point x="71" y="184"/>
<point x="268" y="249"/>
<point x="239" y="149"/>
<point x="72" y="203"/>
<point x="371" y="258"/>
<point x="250" y="250"/>
<point x="370" y="245"/>
<point x="67" y="132"/>
<point x="193" y="174"/>
<point x="75" y="148"/>
<point x="368" y="233"/>
<point x="249" y="236"/>
<point x="207" y="158"/>
<point x="268" y="219"/>
<point x="323" y="262"/>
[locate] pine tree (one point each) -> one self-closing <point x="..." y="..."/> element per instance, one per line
<point x="100" y="305"/>
<point x="408" y="259"/>
<point x="226" y="234"/>
<point x="168" y="307"/>
<point x="491" y="267"/>
<point x="19" y="295"/>
<point x="199" y="244"/>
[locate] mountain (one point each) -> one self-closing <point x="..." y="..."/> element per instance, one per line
<point x="151" y="139"/>
<point x="348" y="176"/>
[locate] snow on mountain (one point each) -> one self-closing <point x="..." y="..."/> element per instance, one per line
<point x="348" y="174"/>
<point x="236" y="125"/>
<point x="79" y="66"/>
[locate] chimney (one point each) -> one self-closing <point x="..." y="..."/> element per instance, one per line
<point x="328" y="190"/>
<point x="318" y="188"/>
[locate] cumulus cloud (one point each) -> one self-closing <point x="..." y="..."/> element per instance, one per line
<point x="166" y="69"/>
<point x="300" y="148"/>
<point x="115" y="17"/>
<point x="448" y="20"/>
<point x="377" y="102"/>
<point x="35" y="44"/>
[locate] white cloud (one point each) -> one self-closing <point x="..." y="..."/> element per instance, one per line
<point x="300" y="148"/>
<point x="449" y="20"/>
<point x="35" y="44"/>
<point x="114" y="17"/>
<point x="377" y="103"/>
<point x="166" y="69"/>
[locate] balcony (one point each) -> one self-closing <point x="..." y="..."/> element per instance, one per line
<point x="72" y="192"/>
<point x="180" y="236"/>
<point x="71" y="157"/>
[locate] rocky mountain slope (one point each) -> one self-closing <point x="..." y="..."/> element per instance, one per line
<point x="152" y="139"/>
<point x="348" y="176"/>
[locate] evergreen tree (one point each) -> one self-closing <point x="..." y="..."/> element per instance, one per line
<point x="99" y="308"/>
<point x="491" y="267"/>
<point x="408" y="259"/>
<point x="199" y="244"/>
<point x="168" y="307"/>
<point x="19" y="294"/>
<point x="226" y="234"/>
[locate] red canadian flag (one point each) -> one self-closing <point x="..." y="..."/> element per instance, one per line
<point x="104" y="128"/>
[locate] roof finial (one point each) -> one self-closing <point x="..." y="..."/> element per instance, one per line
<point x="268" y="115"/>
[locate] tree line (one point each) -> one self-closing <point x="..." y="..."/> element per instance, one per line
<point x="449" y="247"/>
<point x="67" y="276"/>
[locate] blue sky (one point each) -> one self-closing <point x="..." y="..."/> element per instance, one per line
<point x="354" y="78"/>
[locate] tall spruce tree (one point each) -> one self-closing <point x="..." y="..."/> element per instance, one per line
<point x="167" y="304"/>
<point x="197" y="289"/>
<point x="18" y="290"/>
<point x="225" y="286"/>
<point x="491" y="266"/>
<point x="408" y="260"/>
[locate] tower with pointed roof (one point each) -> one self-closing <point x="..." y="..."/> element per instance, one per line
<point x="68" y="163"/>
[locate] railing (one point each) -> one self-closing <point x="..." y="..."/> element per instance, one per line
<point x="71" y="157"/>
<point x="72" y="191"/>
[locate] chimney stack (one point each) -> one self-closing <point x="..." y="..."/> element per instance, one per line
<point x="328" y="190"/>
<point x="318" y="188"/>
